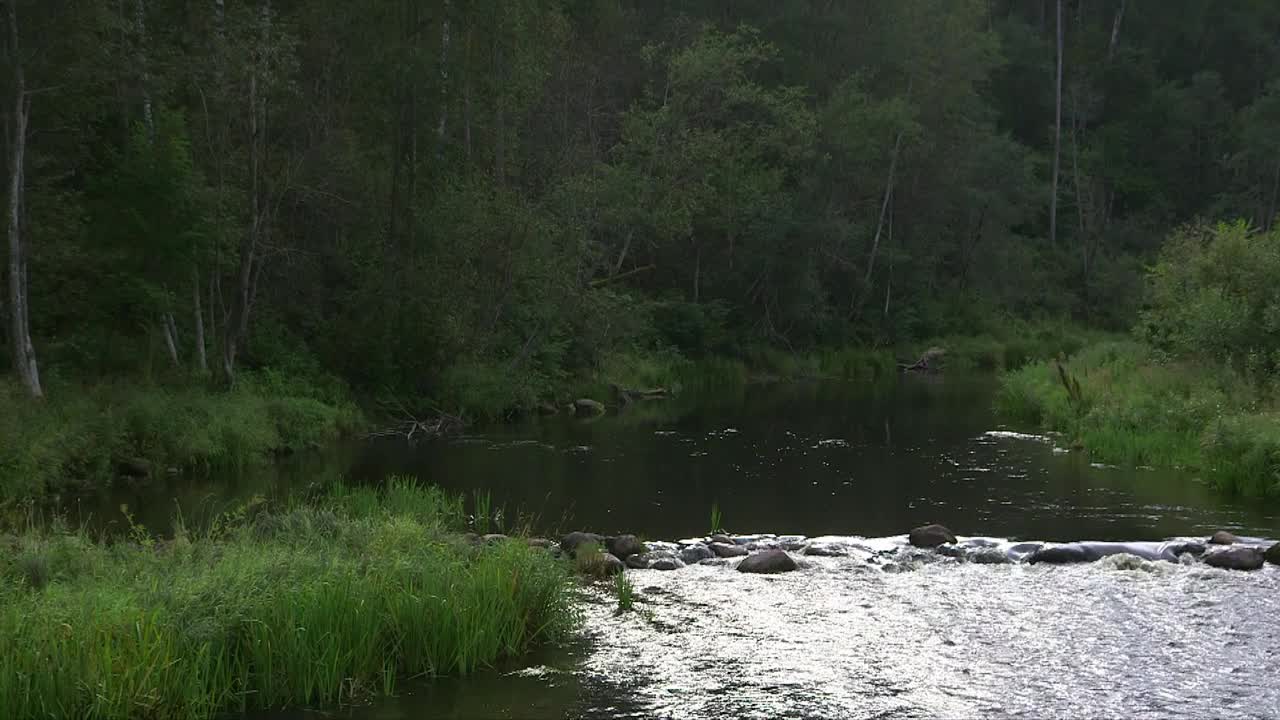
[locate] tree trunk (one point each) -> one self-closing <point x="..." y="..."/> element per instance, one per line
<point x="1270" y="219"/>
<point x="24" y="353"/>
<point x="170" y="331"/>
<point x="237" y="327"/>
<point x="884" y="211"/>
<point x="202" y="360"/>
<point x="444" y="81"/>
<point x="1057" y="138"/>
<point x="1115" y="32"/>
<point x="144" y="78"/>
<point x="500" y="124"/>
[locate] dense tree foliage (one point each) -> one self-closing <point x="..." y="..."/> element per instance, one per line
<point x="435" y="197"/>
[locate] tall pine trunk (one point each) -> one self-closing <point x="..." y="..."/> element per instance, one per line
<point x="24" y="352"/>
<point x="1057" y="139"/>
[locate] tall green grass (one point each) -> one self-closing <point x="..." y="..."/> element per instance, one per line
<point x="315" y="604"/>
<point x="80" y="436"/>
<point x="1135" y="408"/>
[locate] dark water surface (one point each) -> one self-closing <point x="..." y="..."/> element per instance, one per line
<point x="843" y="638"/>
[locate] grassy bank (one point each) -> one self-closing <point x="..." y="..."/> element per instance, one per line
<point x="1126" y="405"/>
<point x="316" y="604"/>
<point x="86" y="436"/>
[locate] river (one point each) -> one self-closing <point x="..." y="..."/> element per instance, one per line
<point x="843" y="637"/>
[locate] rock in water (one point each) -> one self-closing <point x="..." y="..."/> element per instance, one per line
<point x="600" y="565"/>
<point x="726" y="550"/>
<point x="587" y="406"/>
<point x="571" y="542"/>
<point x="624" y="546"/>
<point x="666" y="563"/>
<point x="1241" y="557"/>
<point x="1272" y="554"/>
<point x="931" y="536"/>
<point x="696" y="553"/>
<point x="637" y="562"/>
<point x="1222" y="537"/>
<point x="767" y="562"/>
<point x="989" y="556"/>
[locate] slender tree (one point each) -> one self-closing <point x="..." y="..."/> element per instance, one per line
<point x="24" y="353"/>
<point x="1057" y="136"/>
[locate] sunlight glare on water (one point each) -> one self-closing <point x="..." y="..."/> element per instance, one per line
<point x="1120" y="638"/>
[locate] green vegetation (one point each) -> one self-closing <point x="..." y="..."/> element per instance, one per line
<point x="90" y="436"/>
<point x="312" y="604"/>
<point x="625" y="591"/>
<point x="478" y="208"/>
<point x="1199" y="390"/>
<point x="717" y="524"/>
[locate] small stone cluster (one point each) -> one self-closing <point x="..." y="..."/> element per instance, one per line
<point x="601" y="556"/>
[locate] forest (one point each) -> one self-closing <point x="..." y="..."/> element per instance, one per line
<point x="469" y="205"/>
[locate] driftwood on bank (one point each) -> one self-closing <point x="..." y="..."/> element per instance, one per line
<point x="413" y="428"/>
<point x="626" y="396"/>
<point x="930" y="361"/>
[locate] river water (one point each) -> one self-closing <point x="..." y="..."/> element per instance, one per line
<point x="845" y="636"/>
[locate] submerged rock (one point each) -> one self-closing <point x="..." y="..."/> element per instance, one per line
<point x="571" y="542"/>
<point x="624" y="546"/>
<point x="931" y="536"/>
<point x="989" y="556"/>
<point x="666" y="563"/>
<point x="1241" y="557"/>
<point x="1272" y="554"/>
<point x="1062" y="554"/>
<point x="768" y="562"/>
<point x="695" y="553"/>
<point x="728" y="550"/>
<point x="1222" y="537"/>
<point x="637" y="562"/>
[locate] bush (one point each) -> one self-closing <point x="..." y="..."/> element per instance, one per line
<point x="1215" y="295"/>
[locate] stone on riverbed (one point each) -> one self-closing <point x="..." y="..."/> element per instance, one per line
<point x="1242" y="557"/>
<point x="600" y="565"/>
<point x="694" y="553"/>
<point x="728" y="550"/>
<point x="666" y="563"/>
<point x="588" y="407"/>
<point x="540" y="543"/>
<point x="571" y="542"/>
<point x="624" y="546"/>
<point x="989" y="556"/>
<point x="931" y="536"/>
<point x="767" y="562"/>
<point x="1272" y="554"/>
<point x="1222" y="537"/>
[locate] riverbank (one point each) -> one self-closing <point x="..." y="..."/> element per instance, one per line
<point x="91" y="436"/>
<point x="1124" y="404"/>
<point x="317" y="604"/>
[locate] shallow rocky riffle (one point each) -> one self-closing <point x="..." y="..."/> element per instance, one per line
<point x="770" y="554"/>
<point x="873" y="627"/>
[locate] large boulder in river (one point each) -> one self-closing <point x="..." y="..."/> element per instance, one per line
<point x="1222" y="537"/>
<point x="574" y="540"/>
<point x="1272" y="555"/>
<point x="1240" y="557"/>
<point x="624" y="546"/>
<point x="588" y="407"/>
<point x="767" y="562"/>
<point x="931" y="536"/>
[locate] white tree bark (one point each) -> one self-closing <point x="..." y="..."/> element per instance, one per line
<point x="444" y="80"/>
<point x="1057" y="139"/>
<point x="202" y="358"/>
<point x="1115" y="32"/>
<point x="24" y="353"/>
